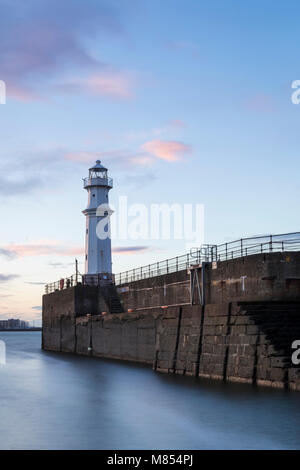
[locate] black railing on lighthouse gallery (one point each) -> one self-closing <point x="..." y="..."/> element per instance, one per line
<point x="207" y="253"/>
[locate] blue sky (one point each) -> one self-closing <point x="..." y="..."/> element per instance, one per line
<point x="183" y="101"/>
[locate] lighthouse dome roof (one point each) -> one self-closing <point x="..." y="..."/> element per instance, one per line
<point x="98" y="166"/>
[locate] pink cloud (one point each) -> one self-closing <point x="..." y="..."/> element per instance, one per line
<point x="169" y="150"/>
<point x="38" y="44"/>
<point x="42" y="249"/>
<point x="111" y="84"/>
<point x="21" y="93"/>
<point x="53" y="248"/>
<point x="118" y="85"/>
<point x="119" y="157"/>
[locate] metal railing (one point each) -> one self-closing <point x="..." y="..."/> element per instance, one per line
<point x="63" y="283"/>
<point x="75" y="279"/>
<point x="97" y="181"/>
<point x="209" y="253"/>
<point x="206" y="253"/>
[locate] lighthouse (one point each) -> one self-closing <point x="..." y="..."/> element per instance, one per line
<point x="97" y="241"/>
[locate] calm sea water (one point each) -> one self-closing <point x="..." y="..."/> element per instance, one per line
<point x="55" y="401"/>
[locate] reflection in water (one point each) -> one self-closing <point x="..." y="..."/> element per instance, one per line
<point x="61" y="401"/>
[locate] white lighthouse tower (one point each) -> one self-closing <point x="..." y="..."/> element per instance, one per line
<point x="97" y="249"/>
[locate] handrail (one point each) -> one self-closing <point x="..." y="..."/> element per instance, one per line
<point x="76" y="279"/>
<point x="209" y="253"/>
<point x="206" y="253"/>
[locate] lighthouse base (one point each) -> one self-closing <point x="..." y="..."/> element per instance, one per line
<point x="99" y="279"/>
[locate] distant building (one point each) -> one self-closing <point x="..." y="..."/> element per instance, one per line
<point x="13" y="324"/>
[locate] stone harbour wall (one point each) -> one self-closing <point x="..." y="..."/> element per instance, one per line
<point x="243" y="342"/>
<point x="243" y="333"/>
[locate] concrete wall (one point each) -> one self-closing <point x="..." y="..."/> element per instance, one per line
<point x="168" y="289"/>
<point x="60" y="309"/>
<point x="239" y="335"/>
<point x="244" y="342"/>
<point x="270" y="276"/>
<point x="123" y="336"/>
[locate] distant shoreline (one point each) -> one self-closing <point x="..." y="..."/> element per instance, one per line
<point x="21" y="329"/>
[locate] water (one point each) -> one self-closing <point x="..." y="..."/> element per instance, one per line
<point x="61" y="401"/>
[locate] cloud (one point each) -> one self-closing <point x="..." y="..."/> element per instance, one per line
<point x="8" y="277"/>
<point x="144" y="154"/>
<point x="37" y="307"/>
<point x="132" y="164"/>
<point x="169" y="150"/>
<point x="20" y="187"/>
<point x="9" y="254"/>
<point x="61" y="265"/>
<point x="171" y="127"/>
<point x="29" y="171"/>
<point x="36" y="283"/>
<point x="21" y="93"/>
<point x="42" y="249"/>
<point x="43" y="39"/>
<point x="129" y="250"/>
<point x="113" y="84"/>
<point x="119" y="157"/>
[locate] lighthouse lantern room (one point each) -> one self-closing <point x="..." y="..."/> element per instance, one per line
<point x="97" y="249"/>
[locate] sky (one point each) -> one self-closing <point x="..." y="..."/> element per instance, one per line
<point x="185" y="102"/>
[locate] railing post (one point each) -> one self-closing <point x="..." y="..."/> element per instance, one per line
<point x="241" y="247"/>
<point x="271" y="244"/>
